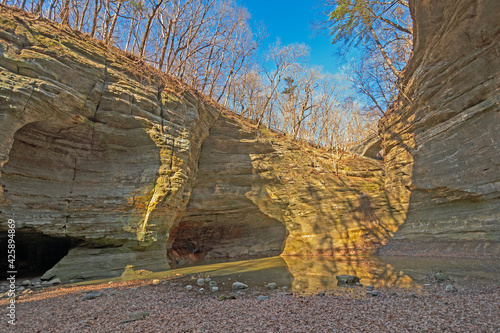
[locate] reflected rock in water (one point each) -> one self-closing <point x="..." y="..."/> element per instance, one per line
<point x="311" y="274"/>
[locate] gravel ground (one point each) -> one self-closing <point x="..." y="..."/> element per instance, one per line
<point x="170" y="308"/>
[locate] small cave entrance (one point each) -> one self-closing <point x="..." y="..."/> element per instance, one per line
<point x="35" y="253"/>
<point x="71" y="180"/>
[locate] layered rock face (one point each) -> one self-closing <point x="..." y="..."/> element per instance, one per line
<point x="442" y="142"/>
<point x="259" y="193"/>
<point x="223" y="217"/>
<point x="103" y="159"/>
<point x="93" y="147"/>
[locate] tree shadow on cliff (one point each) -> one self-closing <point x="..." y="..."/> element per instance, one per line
<point x="357" y="226"/>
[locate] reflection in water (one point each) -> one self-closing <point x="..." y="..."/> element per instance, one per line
<point x="462" y="271"/>
<point x="255" y="272"/>
<point x="303" y="274"/>
<point x="312" y="274"/>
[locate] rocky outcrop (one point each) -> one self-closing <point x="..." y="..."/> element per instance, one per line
<point x="223" y="217"/>
<point x="442" y="141"/>
<point x="94" y="147"/>
<point x="260" y="193"/>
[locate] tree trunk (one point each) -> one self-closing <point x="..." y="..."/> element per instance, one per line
<point x="113" y="23"/>
<point x="142" y="48"/>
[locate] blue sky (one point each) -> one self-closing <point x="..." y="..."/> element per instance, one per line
<point x="290" y="21"/>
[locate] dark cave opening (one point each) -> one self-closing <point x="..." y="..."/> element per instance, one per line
<point x="35" y="253"/>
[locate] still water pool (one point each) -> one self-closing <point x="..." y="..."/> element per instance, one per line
<point x="313" y="274"/>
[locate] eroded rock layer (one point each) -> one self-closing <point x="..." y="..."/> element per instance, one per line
<point x="442" y="142"/>
<point x="223" y="218"/>
<point x="94" y="147"/>
<point x="260" y="193"/>
<point x="100" y="155"/>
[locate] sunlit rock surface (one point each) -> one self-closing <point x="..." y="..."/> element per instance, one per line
<point x="442" y="142"/>
<point x="102" y="155"/>
<point x="260" y="193"/>
<point x="93" y="147"/>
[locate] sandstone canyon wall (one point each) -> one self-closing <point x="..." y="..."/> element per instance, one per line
<point x="95" y="148"/>
<point x="107" y="164"/>
<point x="261" y="193"/>
<point x="442" y="141"/>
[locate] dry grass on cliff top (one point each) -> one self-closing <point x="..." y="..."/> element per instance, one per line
<point x="141" y="306"/>
<point x="11" y="18"/>
<point x="349" y="164"/>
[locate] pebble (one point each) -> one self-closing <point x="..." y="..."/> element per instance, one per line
<point x="26" y="283"/>
<point x="225" y="297"/>
<point x="92" y="295"/>
<point x="369" y="288"/>
<point x="214" y="288"/>
<point x="272" y="286"/>
<point x="239" y="285"/>
<point x="347" y="279"/>
<point x="208" y="279"/>
<point x="213" y="283"/>
<point x="451" y="288"/>
<point x="156" y="281"/>
<point x="189" y="287"/>
<point x="140" y="315"/>
<point x="200" y="282"/>
<point x="263" y="298"/>
<point x="201" y="290"/>
<point x="374" y="293"/>
<point x="54" y="282"/>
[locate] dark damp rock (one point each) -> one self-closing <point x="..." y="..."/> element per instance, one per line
<point x="347" y="279"/>
<point x="226" y="297"/>
<point x="374" y="293"/>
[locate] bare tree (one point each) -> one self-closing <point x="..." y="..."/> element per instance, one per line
<point x="281" y="59"/>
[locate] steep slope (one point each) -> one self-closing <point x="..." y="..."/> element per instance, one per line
<point x="442" y="142"/>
